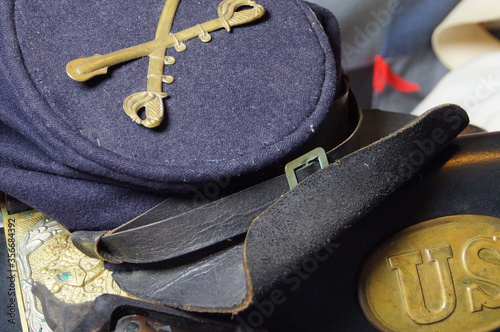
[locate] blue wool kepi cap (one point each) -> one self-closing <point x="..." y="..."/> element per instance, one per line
<point x="242" y="100"/>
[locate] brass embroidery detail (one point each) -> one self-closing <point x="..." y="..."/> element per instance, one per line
<point x="84" y="69"/>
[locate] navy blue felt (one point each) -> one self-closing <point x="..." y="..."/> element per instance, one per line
<point x="29" y="175"/>
<point x="240" y="103"/>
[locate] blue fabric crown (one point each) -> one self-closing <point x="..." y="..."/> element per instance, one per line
<point x="240" y="103"/>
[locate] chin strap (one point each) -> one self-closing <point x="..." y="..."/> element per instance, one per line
<point x="181" y="225"/>
<point x="305" y="219"/>
<point x="228" y="277"/>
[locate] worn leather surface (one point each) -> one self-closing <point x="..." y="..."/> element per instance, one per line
<point x="103" y="313"/>
<point x="305" y="219"/>
<point x="463" y="179"/>
<point x="326" y="204"/>
<point x="181" y="225"/>
<point x="212" y="283"/>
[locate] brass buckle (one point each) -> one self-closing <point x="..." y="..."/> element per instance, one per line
<point x="317" y="154"/>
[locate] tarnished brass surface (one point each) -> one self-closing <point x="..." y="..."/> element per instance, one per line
<point x="84" y="69"/>
<point x="68" y="273"/>
<point x="440" y="275"/>
<point x="44" y="253"/>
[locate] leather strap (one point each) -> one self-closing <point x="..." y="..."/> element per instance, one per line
<point x="301" y="222"/>
<point x="327" y="203"/>
<point x="461" y="180"/>
<point x="109" y="310"/>
<point x="179" y="226"/>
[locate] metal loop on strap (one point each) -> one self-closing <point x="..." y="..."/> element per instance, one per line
<point x="317" y="154"/>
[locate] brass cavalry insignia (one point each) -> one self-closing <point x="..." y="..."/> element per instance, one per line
<point x="440" y="275"/>
<point x="151" y="100"/>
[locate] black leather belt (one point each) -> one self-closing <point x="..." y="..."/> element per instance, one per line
<point x="196" y="258"/>
<point x="182" y="225"/>
<point x="462" y="180"/>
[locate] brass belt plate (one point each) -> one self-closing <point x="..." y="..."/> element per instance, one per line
<point x="440" y="275"/>
<point x="39" y="250"/>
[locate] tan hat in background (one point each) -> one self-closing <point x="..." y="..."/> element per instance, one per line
<point x="463" y="36"/>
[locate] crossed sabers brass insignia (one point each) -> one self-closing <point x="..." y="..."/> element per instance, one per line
<point x="152" y="100"/>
